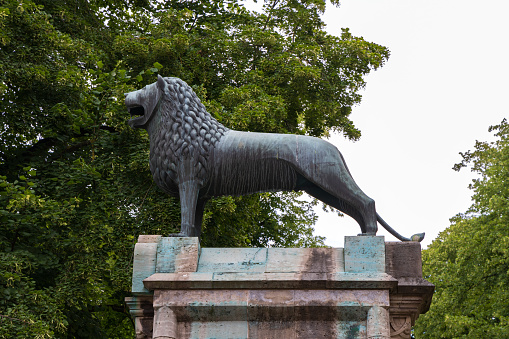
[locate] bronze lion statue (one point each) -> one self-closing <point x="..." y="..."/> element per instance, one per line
<point x="195" y="157"/>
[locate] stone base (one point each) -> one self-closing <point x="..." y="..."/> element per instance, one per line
<point x="369" y="289"/>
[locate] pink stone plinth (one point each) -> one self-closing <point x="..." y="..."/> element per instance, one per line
<point x="370" y="289"/>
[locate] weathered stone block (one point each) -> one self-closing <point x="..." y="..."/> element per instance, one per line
<point x="378" y="323"/>
<point x="310" y="260"/>
<point x="217" y="329"/>
<point x="149" y="239"/>
<point x="177" y="255"/>
<point x="233" y="260"/>
<point x="165" y="323"/>
<point x="364" y="254"/>
<point x="144" y="261"/>
<point x="403" y="259"/>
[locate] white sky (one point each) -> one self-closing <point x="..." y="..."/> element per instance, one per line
<point x="445" y="83"/>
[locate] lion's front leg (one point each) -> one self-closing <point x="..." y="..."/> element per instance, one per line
<point x="188" y="192"/>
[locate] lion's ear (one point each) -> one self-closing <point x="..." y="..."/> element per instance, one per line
<point x="161" y="84"/>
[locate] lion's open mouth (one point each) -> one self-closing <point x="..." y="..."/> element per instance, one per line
<point x="141" y="105"/>
<point x="137" y="111"/>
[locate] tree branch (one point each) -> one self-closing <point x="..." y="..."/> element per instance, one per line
<point x="43" y="145"/>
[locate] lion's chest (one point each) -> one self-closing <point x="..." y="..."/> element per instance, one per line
<point x="163" y="162"/>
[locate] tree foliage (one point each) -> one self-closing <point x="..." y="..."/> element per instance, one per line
<point x="75" y="187"/>
<point x="469" y="261"/>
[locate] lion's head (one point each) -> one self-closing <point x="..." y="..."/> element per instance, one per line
<point x="143" y="102"/>
<point x="178" y="124"/>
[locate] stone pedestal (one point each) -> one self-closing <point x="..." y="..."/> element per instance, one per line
<point x="369" y="289"/>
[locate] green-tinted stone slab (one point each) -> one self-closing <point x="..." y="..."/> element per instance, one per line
<point x="218" y="330"/>
<point x="308" y="260"/>
<point x="232" y="260"/>
<point x="144" y="265"/>
<point x="364" y="254"/>
<point x="176" y="254"/>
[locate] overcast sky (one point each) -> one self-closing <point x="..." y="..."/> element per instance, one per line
<point x="445" y="83"/>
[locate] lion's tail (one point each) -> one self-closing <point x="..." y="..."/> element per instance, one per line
<point x="416" y="237"/>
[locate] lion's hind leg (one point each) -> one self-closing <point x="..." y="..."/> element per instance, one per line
<point x="347" y="198"/>
<point x="323" y="173"/>
<point x="337" y="203"/>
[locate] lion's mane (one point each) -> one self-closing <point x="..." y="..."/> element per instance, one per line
<point x="183" y="130"/>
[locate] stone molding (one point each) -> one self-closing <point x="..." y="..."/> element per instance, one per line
<point x="225" y="280"/>
<point x="142" y="310"/>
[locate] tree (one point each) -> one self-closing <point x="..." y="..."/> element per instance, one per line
<point x="75" y="187"/>
<point x="469" y="261"/>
